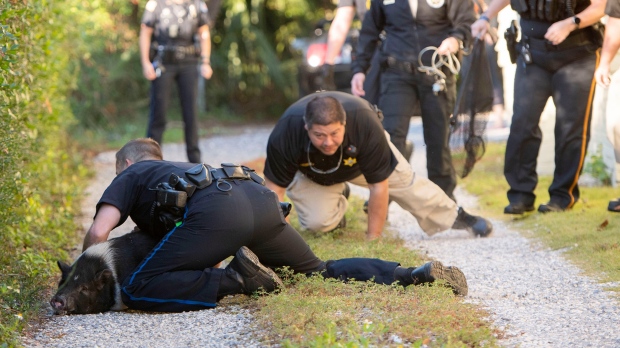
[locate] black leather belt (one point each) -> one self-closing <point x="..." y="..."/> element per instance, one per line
<point x="577" y="39"/>
<point x="394" y="63"/>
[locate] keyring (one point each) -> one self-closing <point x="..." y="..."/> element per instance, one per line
<point x="217" y="185"/>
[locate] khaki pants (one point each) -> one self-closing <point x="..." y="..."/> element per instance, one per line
<point x="320" y="208"/>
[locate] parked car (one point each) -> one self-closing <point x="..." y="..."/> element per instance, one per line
<point x="313" y="51"/>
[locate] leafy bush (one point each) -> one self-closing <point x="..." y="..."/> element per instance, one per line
<point x="39" y="167"/>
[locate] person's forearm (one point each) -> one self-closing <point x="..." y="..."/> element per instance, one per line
<point x="377" y="209"/>
<point x="495" y="7"/>
<point x="205" y="44"/>
<point x="591" y="14"/>
<point x="108" y="216"/>
<point x="338" y="32"/>
<point x="612" y="41"/>
<point x="145" y="43"/>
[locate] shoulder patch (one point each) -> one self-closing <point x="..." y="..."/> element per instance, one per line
<point x="151" y="5"/>
<point x="435" y="3"/>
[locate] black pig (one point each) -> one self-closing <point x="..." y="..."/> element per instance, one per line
<point x="92" y="283"/>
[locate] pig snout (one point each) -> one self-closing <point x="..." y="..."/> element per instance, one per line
<point x="60" y="304"/>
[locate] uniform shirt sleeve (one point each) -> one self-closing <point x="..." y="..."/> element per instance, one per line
<point x="122" y="193"/>
<point x="376" y="161"/>
<point x="372" y="25"/>
<point x="345" y="3"/>
<point x="282" y="149"/>
<point x="613" y="8"/>
<point x="151" y="14"/>
<point x="203" y="14"/>
<point x="462" y="16"/>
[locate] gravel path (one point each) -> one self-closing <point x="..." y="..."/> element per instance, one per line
<point x="536" y="297"/>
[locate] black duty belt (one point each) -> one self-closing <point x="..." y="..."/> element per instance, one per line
<point x="394" y="63"/>
<point x="187" y="50"/>
<point x="575" y="40"/>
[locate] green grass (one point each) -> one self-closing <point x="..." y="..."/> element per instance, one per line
<point x="588" y="233"/>
<point x="313" y="312"/>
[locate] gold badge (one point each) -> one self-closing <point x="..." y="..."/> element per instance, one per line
<point x="350" y="161"/>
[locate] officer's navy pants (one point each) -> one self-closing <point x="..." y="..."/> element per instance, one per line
<point x="567" y="77"/>
<point x="185" y="75"/>
<point x="178" y="275"/>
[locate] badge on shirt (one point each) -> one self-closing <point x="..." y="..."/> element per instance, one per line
<point x="435" y="3"/>
<point x="388" y="2"/>
<point x="349" y="161"/>
<point x="151" y="5"/>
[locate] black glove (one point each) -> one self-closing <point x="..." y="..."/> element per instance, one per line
<point x="328" y="78"/>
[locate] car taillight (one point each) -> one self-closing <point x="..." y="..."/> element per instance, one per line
<point x="316" y="54"/>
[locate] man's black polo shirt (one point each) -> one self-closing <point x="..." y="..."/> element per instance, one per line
<point x="365" y="147"/>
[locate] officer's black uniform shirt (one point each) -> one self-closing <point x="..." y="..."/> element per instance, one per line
<point x="435" y="21"/>
<point x="365" y="147"/>
<point x="175" y="24"/>
<point x="131" y="191"/>
<point x="613" y="8"/>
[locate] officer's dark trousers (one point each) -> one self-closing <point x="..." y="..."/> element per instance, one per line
<point x="567" y="77"/>
<point x="186" y="78"/>
<point x="178" y="275"/>
<point x="400" y="93"/>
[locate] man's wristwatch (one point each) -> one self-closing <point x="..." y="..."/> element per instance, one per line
<point x="577" y="21"/>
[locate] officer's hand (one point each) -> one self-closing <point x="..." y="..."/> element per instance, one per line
<point x="149" y="72"/>
<point x="479" y="28"/>
<point x="206" y="71"/>
<point x="558" y="31"/>
<point x="602" y="75"/>
<point x="357" y="84"/>
<point x="449" y="45"/>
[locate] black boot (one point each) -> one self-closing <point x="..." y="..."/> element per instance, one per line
<point x="477" y="225"/>
<point x="435" y="270"/>
<point x="249" y="274"/>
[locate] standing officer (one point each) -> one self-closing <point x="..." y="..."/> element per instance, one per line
<point x="410" y="27"/>
<point x="174" y="38"/>
<point x="610" y="48"/>
<point x="557" y="55"/>
<point x="202" y="215"/>
<point x="327" y="139"/>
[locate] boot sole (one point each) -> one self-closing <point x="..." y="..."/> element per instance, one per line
<point x="452" y="275"/>
<point x="249" y="260"/>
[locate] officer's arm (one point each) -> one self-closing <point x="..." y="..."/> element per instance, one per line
<point x="108" y="216"/>
<point x="560" y="30"/>
<point x="481" y="26"/>
<point x="338" y="32"/>
<point x="145" y="46"/>
<point x="205" y="51"/>
<point x="377" y="209"/>
<point x="610" y="47"/>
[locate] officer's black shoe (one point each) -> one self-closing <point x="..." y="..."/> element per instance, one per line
<point x="435" y="270"/>
<point x="477" y="225"/>
<point x="614" y="205"/>
<point x="517" y="208"/>
<point x="251" y="274"/>
<point x="550" y="207"/>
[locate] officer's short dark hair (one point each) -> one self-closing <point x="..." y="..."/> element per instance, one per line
<point x="324" y="110"/>
<point x="137" y="150"/>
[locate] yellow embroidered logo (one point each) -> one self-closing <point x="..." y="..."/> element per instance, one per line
<point x="350" y="161"/>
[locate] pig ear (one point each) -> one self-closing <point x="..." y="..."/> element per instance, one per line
<point x="64" y="268"/>
<point x="104" y="277"/>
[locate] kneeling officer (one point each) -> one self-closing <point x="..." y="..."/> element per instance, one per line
<point x="228" y="209"/>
